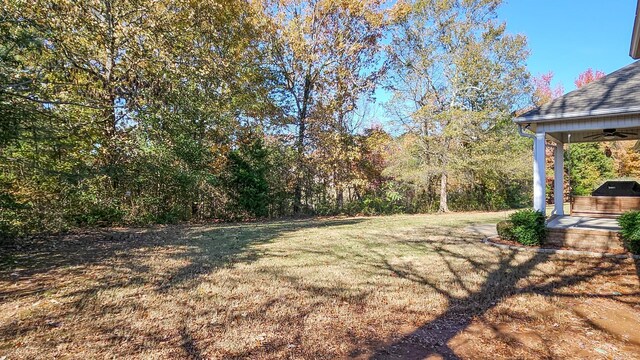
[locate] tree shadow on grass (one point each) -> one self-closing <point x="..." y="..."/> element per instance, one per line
<point x="189" y="345"/>
<point x="78" y="267"/>
<point x="205" y="248"/>
<point x="502" y="282"/>
<point x="195" y="252"/>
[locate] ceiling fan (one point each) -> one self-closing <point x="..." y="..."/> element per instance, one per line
<point x="610" y="134"/>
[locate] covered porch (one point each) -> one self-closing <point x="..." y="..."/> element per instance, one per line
<point x="605" y="110"/>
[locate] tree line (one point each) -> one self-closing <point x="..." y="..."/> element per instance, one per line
<point x="136" y="112"/>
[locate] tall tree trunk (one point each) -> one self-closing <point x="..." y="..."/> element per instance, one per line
<point x="110" y="153"/>
<point x="444" y="207"/>
<point x="297" y="200"/>
<point x="110" y="116"/>
<point x="302" y="128"/>
<point x="339" y="195"/>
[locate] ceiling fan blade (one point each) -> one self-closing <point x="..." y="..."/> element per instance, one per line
<point x="627" y="133"/>
<point x="596" y="136"/>
<point x="620" y="135"/>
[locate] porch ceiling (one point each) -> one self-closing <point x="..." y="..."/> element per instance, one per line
<point x="633" y="133"/>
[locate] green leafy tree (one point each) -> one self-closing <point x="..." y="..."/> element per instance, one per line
<point x="456" y="73"/>
<point x="123" y="111"/>
<point x="588" y="167"/>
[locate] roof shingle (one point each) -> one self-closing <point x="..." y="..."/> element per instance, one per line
<point x="615" y="94"/>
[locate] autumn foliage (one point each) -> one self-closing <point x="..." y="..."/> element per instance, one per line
<point x="588" y="76"/>
<point x="544" y="91"/>
<point x="130" y="112"/>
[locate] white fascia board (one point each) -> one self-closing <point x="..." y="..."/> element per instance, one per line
<point x="579" y="114"/>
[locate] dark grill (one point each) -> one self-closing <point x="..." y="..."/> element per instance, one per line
<point x="618" y="188"/>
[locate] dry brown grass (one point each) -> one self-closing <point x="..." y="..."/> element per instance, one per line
<point x="387" y="287"/>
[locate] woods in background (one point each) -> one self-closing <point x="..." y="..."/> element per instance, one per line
<point x="136" y="112"/>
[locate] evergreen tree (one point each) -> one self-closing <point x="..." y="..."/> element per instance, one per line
<point x="248" y="168"/>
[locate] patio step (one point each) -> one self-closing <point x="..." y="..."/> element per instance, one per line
<point x="585" y="238"/>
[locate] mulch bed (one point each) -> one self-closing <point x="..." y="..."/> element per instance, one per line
<point x="499" y="240"/>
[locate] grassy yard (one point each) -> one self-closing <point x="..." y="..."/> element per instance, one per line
<point x="383" y="287"/>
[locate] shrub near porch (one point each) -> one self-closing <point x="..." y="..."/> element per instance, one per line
<point x="630" y="230"/>
<point x="524" y="226"/>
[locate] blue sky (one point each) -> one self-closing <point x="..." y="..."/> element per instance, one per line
<point x="570" y="36"/>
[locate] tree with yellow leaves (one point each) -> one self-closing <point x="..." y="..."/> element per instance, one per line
<point x="324" y="55"/>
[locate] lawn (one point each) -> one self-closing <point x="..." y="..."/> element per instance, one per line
<point x="381" y="287"/>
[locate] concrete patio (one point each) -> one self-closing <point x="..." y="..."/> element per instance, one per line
<point x="583" y="222"/>
<point x="584" y="233"/>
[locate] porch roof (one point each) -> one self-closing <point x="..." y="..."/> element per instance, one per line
<point x="617" y="94"/>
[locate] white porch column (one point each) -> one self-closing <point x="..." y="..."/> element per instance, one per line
<point x="539" y="179"/>
<point x="558" y="179"/>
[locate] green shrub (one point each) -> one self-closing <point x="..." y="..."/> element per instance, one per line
<point x="630" y="230"/>
<point x="95" y="215"/>
<point x="247" y="179"/>
<point x="529" y="227"/>
<point x="505" y="230"/>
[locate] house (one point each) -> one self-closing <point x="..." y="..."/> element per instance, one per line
<point x="605" y="110"/>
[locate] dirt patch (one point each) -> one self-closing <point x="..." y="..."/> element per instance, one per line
<point x="620" y="320"/>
